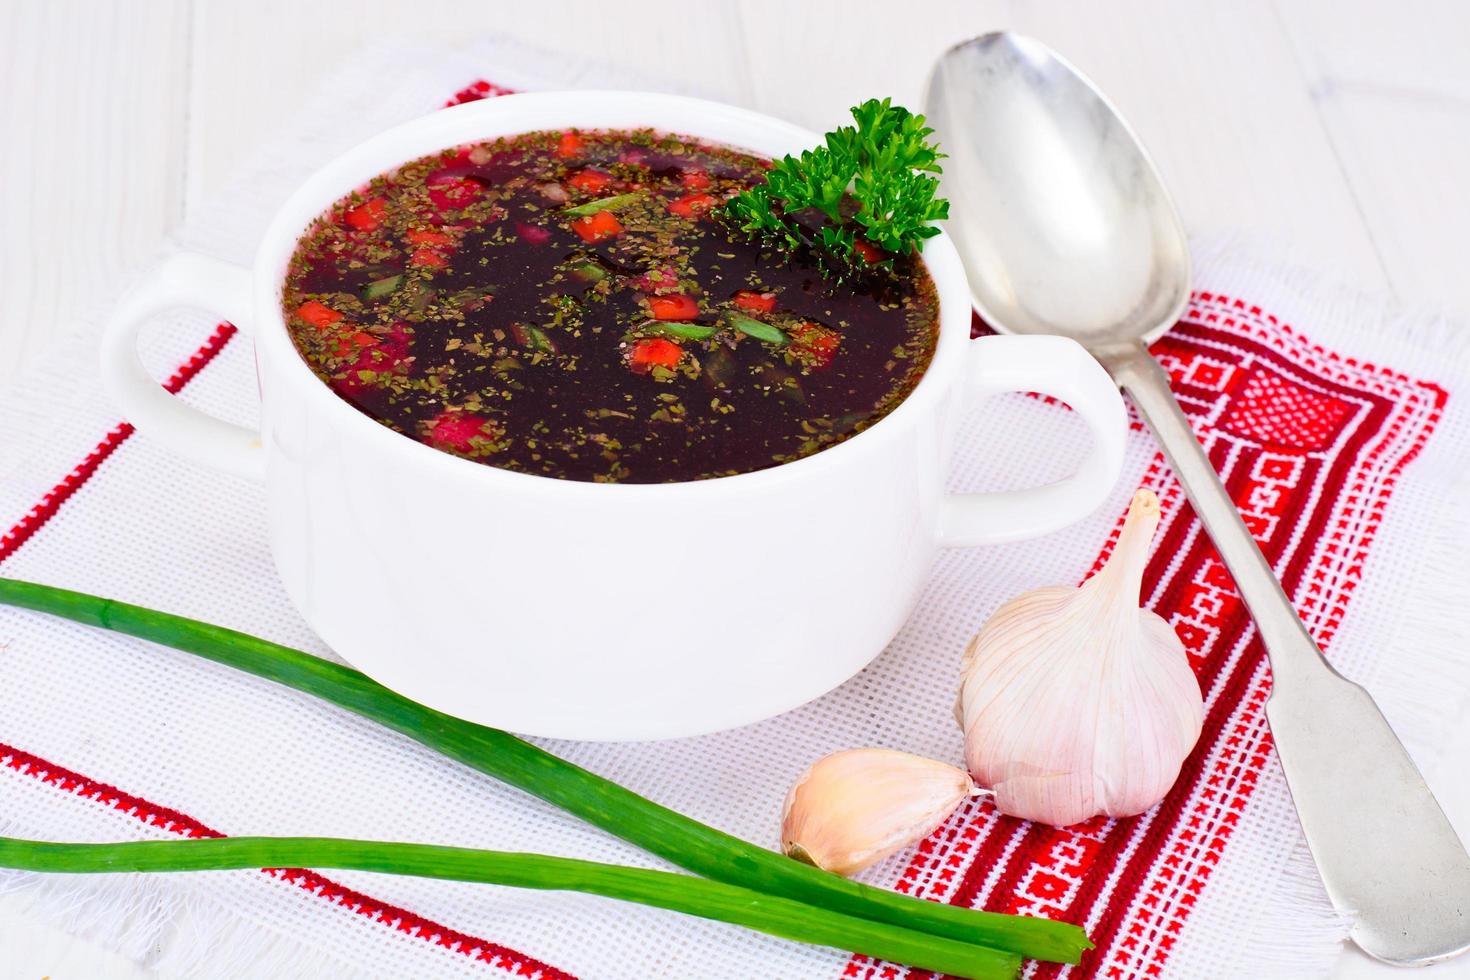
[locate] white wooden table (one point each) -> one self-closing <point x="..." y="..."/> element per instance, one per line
<point x="1335" y="131"/>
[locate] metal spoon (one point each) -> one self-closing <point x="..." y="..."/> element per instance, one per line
<point x="1065" y="228"/>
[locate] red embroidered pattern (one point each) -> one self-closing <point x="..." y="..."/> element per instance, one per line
<point x="185" y="826"/>
<point x="121" y="433"/>
<point x="1310" y="446"/>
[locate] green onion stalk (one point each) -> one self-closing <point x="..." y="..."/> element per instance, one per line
<point x="660" y="889"/>
<point x="678" y="839"/>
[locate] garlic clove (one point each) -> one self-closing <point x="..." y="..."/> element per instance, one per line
<point x="853" y="808"/>
<point x="1076" y="702"/>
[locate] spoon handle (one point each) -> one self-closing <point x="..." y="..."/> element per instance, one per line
<point x="1386" y="852"/>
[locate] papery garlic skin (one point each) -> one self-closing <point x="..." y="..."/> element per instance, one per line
<point x="1076" y="702"/>
<point x="854" y="808"/>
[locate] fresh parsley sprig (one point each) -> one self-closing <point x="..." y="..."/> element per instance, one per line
<point x="872" y="181"/>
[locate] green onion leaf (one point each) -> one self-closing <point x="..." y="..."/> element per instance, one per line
<point x="601" y="204"/>
<point x="752" y="327"/>
<point x="379" y="288"/>
<point x="588" y="271"/>
<point x="678" y="330"/>
<point x="660" y="889"/>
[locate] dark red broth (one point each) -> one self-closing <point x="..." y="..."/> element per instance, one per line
<point x="477" y="301"/>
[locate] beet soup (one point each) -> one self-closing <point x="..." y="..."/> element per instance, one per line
<point x="564" y="304"/>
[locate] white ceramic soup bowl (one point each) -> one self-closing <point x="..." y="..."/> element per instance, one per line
<point x="549" y="607"/>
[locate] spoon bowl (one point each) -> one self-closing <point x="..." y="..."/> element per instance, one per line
<point x="1059" y="214"/>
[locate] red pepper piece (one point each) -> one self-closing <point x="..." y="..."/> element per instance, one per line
<point x="428" y="258"/>
<point x="426" y="236"/>
<point x="674" y="306"/>
<point x="814" y="343"/>
<point x="388" y="355"/>
<point x="368" y="215"/>
<point x="652" y="352"/>
<point x="319" y="315"/>
<point x="748" y="299"/>
<point x="596" y="227"/>
<point x="871" y="253"/>
<point x="570" y="144"/>
<point x="462" y="432"/>
<point x="590" y="181"/>
<point x="691" y="206"/>
<point x="354" y="342"/>
<point x="695" y="180"/>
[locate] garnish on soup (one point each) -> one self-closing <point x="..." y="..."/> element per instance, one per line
<point x="864" y="196"/>
<point x="568" y="305"/>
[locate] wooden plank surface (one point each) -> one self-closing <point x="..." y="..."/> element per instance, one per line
<point x="1395" y="104"/>
<point x="92" y="133"/>
<point x="1336" y="132"/>
<point x="238" y="45"/>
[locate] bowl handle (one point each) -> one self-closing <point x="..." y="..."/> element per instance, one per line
<point x="1061" y="368"/>
<point x="182" y="280"/>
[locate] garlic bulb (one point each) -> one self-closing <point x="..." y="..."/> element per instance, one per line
<point x="1074" y="701"/>
<point x="856" y="807"/>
